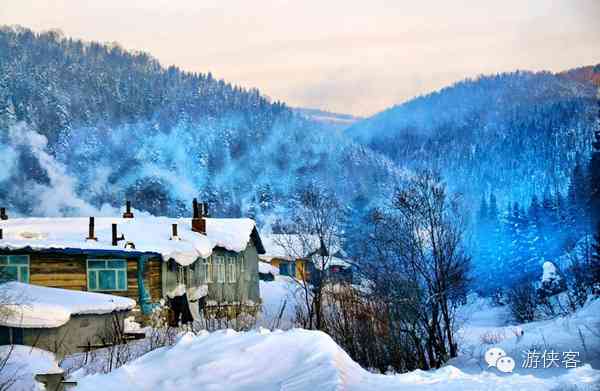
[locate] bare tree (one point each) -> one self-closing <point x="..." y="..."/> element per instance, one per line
<point x="416" y="264"/>
<point x="312" y="234"/>
<point x="9" y="309"/>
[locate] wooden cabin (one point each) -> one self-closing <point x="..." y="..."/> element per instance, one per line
<point x="208" y="260"/>
<point x="287" y="254"/>
<point x="300" y="257"/>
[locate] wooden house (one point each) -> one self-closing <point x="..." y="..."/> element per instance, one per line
<point x="209" y="261"/>
<point x="301" y="257"/>
<point x="288" y="255"/>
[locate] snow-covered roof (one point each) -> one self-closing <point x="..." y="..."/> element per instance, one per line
<point x="32" y="306"/>
<point x="290" y="246"/>
<point x="293" y="246"/>
<point x="266" y="268"/>
<point x="148" y="234"/>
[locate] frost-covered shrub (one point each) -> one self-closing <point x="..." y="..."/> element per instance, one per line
<point x="576" y="387"/>
<point x="523" y="302"/>
<point x="493" y="337"/>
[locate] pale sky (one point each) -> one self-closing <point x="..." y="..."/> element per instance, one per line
<point x="356" y="57"/>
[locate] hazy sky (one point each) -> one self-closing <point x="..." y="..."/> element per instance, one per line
<point x="348" y="56"/>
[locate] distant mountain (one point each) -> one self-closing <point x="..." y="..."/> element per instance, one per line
<point x="584" y="74"/>
<point x="334" y="120"/>
<point x="514" y="134"/>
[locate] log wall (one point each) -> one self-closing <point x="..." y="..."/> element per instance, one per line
<point x="69" y="271"/>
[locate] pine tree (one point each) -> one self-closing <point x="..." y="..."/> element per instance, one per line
<point x="595" y="174"/>
<point x="483" y="211"/>
<point x="533" y="234"/>
<point x="534" y="210"/>
<point x="493" y="209"/>
<point x="595" y="260"/>
<point x="577" y="198"/>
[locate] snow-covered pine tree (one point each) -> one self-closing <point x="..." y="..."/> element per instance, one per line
<point x="595" y="172"/>
<point x="595" y="261"/>
<point x="577" y="199"/>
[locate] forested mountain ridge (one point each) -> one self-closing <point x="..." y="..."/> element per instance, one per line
<point x="514" y="134"/>
<point x="54" y="84"/>
<point x="84" y="126"/>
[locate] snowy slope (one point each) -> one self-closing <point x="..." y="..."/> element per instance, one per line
<point x="292" y="360"/>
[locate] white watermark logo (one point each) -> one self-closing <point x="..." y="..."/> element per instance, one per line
<point x="496" y="357"/>
<point x="534" y="359"/>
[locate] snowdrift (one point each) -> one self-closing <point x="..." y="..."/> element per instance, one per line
<point x="293" y="360"/>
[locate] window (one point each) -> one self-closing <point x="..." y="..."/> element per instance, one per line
<point x="292" y="269"/>
<point x="107" y="274"/>
<point x="14" y="268"/>
<point x="208" y="270"/>
<point x="220" y="269"/>
<point x="231" y="272"/>
<point x="283" y="269"/>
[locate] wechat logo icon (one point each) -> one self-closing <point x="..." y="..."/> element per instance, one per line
<point x="496" y="357"/>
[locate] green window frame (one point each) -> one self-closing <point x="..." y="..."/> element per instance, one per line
<point x="14" y="268"/>
<point x="107" y="275"/>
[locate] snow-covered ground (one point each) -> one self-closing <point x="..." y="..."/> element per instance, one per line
<point x="294" y="360"/>
<point x="22" y="363"/>
<point x="485" y="326"/>
<point x="310" y="360"/>
<point x="280" y="300"/>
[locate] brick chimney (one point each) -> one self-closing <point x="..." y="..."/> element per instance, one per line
<point x="128" y="214"/>
<point x="198" y="220"/>
<point x="3" y="215"/>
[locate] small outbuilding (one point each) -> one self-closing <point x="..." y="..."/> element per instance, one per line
<point x="59" y="320"/>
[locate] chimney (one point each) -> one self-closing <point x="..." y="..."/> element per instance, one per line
<point x="128" y="214"/>
<point x="196" y="214"/>
<point x="3" y="215"/>
<point x="198" y="221"/>
<point x="91" y="230"/>
<point x="115" y="238"/>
